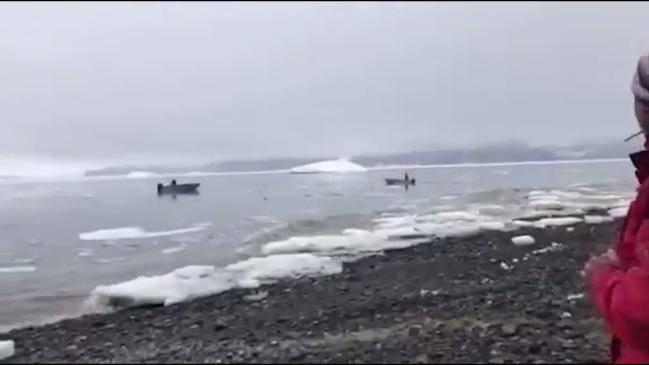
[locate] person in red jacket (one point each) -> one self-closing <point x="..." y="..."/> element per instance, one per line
<point x="618" y="280"/>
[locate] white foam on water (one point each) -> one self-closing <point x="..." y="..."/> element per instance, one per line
<point x="173" y="250"/>
<point x="127" y="233"/>
<point x="85" y="253"/>
<point x="7" y="349"/>
<point x="523" y="240"/>
<point x="110" y="260"/>
<point x="27" y="260"/>
<point x="196" y="281"/>
<point x="597" y="219"/>
<point x="17" y="269"/>
<point x="449" y="197"/>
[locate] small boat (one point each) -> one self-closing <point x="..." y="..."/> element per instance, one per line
<point x="173" y="189"/>
<point x="399" y="182"/>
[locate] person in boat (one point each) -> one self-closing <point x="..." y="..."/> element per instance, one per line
<point x="618" y="280"/>
<point x="173" y="182"/>
<point x="406" y="178"/>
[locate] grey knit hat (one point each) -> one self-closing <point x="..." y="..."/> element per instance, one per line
<point x="640" y="84"/>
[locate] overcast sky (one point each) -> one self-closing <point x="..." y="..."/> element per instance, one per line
<point x="245" y="80"/>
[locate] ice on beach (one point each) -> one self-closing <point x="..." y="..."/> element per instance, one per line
<point x="349" y="241"/>
<point x="173" y="250"/>
<point x="552" y="248"/>
<point x="17" y="269"/>
<point x="597" y="219"/>
<point x="330" y="166"/>
<point x="197" y="281"/>
<point x="126" y="233"/>
<point x="523" y="240"/>
<point x="573" y="297"/>
<point x="620" y="212"/>
<point x="7" y="349"/>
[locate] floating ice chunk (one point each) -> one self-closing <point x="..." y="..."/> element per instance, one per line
<point x="17" y="269"/>
<point x="504" y="266"/>
<point x="493" y="226"/>
<point x="7" y="349"/>
<point x="523" y="240"/>
<point x="522" y="223"/>
<point x="547" y="204"/>
<point x="449" y="229"/>
<point x="173" y="250"/>
<point x="597" y="219"/>
<point x="340" y="165"/>
<point x="566" y="315"/>
<point x="126" y="233"/>
<point x="492" y="209"/>
<point x="570" y="229"/>
<point x="454" y="216"/>
<point x="557" y="222"/>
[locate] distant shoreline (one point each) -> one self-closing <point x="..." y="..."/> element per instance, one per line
<point x="198" y="174"/>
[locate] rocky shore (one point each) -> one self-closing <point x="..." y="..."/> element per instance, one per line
<point x="479" y="299"/>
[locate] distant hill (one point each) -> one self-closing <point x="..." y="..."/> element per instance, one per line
<point x="504" y="152"/>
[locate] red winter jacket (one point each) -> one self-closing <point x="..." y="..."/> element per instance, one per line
<point x="622" y="295"/>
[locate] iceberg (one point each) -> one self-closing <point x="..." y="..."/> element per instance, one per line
<point x="330" y="166"/>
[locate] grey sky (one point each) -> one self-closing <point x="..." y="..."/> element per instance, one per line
<point x="133" y="80"/>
